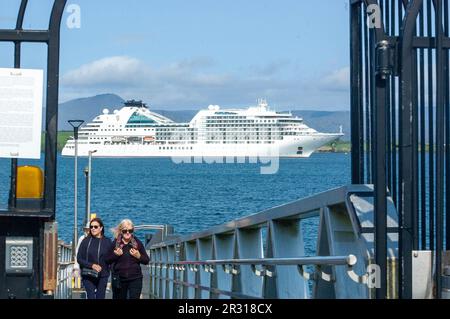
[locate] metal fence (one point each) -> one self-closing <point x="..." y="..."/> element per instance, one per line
<point x="65" y="271"/>
<point x="265" y="255"/>
<point x="400" y="123"/>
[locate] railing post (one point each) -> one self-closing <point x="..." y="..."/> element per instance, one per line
<point x="204" y="247"/>
<point x="190" y="252"/>
<point x="286" y="240"/>
<point x="223" y="249"/>
<point x="249" y="245"/>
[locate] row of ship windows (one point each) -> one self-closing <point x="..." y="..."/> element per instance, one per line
<point x="241" y="142"/>
<point x="243" y="121"/>
<point x="237" y="119"/>
<point x="174" y="148"/>
<point x="116" y="130"/>
<point x="236" y="136"/>
<point x="240" y="125"/>
<point x="226" y="117"/>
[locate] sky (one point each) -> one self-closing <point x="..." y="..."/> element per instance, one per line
<point x="176" y="54"/>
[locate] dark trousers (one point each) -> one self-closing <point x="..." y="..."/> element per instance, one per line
<point x="115" y="286"/>
<point x="130" y="289"/>
<point x="95" y="287"/>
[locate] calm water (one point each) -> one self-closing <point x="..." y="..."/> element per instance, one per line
<point x="190" y="197"/>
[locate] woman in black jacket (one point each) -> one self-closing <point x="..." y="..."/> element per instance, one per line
<point x="91" y="257"/>
<point x="127" y="254"/>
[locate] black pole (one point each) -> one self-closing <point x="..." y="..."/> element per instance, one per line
<point x="51" y="127"/>
<point x="423" y="207"/>
<point x="440" y="145"/>
<point x="367" y="93"/>
<point x="431" y="171"/>
<point x="407" y="173"/>
<point x="447" y="129"/>
<point x="86" y="176"/>
<point x="380" y="172"/>
<point x="357" y="135"/>
<point x="17" y="55"/>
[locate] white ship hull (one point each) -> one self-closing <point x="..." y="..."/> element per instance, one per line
<point x="285" y="148"/>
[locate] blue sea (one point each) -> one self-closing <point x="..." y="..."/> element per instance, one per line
<point x="190" y="197"/>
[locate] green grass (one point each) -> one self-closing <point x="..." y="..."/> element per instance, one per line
<point x="62" y="139"/>
<point x="337" y="147"/>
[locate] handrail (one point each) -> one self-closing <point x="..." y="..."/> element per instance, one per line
<point x="349" y="260"/>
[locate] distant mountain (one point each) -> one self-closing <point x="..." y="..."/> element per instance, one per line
<point x="89" y="107"/>
<point x="85" y="109"/>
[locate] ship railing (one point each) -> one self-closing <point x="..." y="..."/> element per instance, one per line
<point x="65" y="271"/>
<point x="318" y="247"/>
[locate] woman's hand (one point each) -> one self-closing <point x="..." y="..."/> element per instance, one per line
<point x="135" y="253"/>
<point x="118" y="251"/>
<point x="96" y="267"/>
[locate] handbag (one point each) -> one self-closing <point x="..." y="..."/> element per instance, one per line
<point x="88" y="272"/>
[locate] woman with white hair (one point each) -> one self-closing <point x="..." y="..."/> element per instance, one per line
<point x="127" y="254"/>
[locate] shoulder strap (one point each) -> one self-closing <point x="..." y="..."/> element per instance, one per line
<point x="98" y="251"/>
<point x="87" y="249"/>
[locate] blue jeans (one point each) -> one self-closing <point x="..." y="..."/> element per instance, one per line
<point x="95" y="287"/>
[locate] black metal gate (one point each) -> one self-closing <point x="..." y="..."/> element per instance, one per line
<point x="22" y="232"/>
<point x="400" y="123"/>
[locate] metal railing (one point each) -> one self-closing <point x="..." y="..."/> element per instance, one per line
<point x="265" y="255"/>
<point x="65" y="271"/>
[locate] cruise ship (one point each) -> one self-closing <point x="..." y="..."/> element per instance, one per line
<point x="136" y="131"/>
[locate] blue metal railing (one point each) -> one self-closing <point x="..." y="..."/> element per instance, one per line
<point x="264" y="255"/>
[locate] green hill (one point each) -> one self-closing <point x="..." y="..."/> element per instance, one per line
<point x="62" y="139"/>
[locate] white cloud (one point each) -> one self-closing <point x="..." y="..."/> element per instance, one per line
<point x="195" y="83"/>
<point x="117" y="70"/>
<point x="338" y="80"/>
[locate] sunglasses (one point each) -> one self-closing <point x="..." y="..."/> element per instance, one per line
<point x="130" y="231"/>
<point x="94" y="226"/>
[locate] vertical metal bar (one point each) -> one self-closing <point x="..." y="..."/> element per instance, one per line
<point x="440" y="147"/>
<point x="51" y="127"/>
<point x="17" y="54"/>
<point x="430" y="133"/>
<point x="415" y="151"/>
<point x="372" y="106"/>
<point x="86" y="199"/>
<point x="388" y="107"/>
<point x="380" y="185"/>
<point x="407" y="173"/>
<point x="368" y="94"/>
<point x="14" y="161"/>
<point x="447" y="128"/>
<point x="423" y="199"/>
<point x="75" y="222"/>
<point x="356" y="93"/>
<point x="397" y="158"/>
<point x="393" y="116"/>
